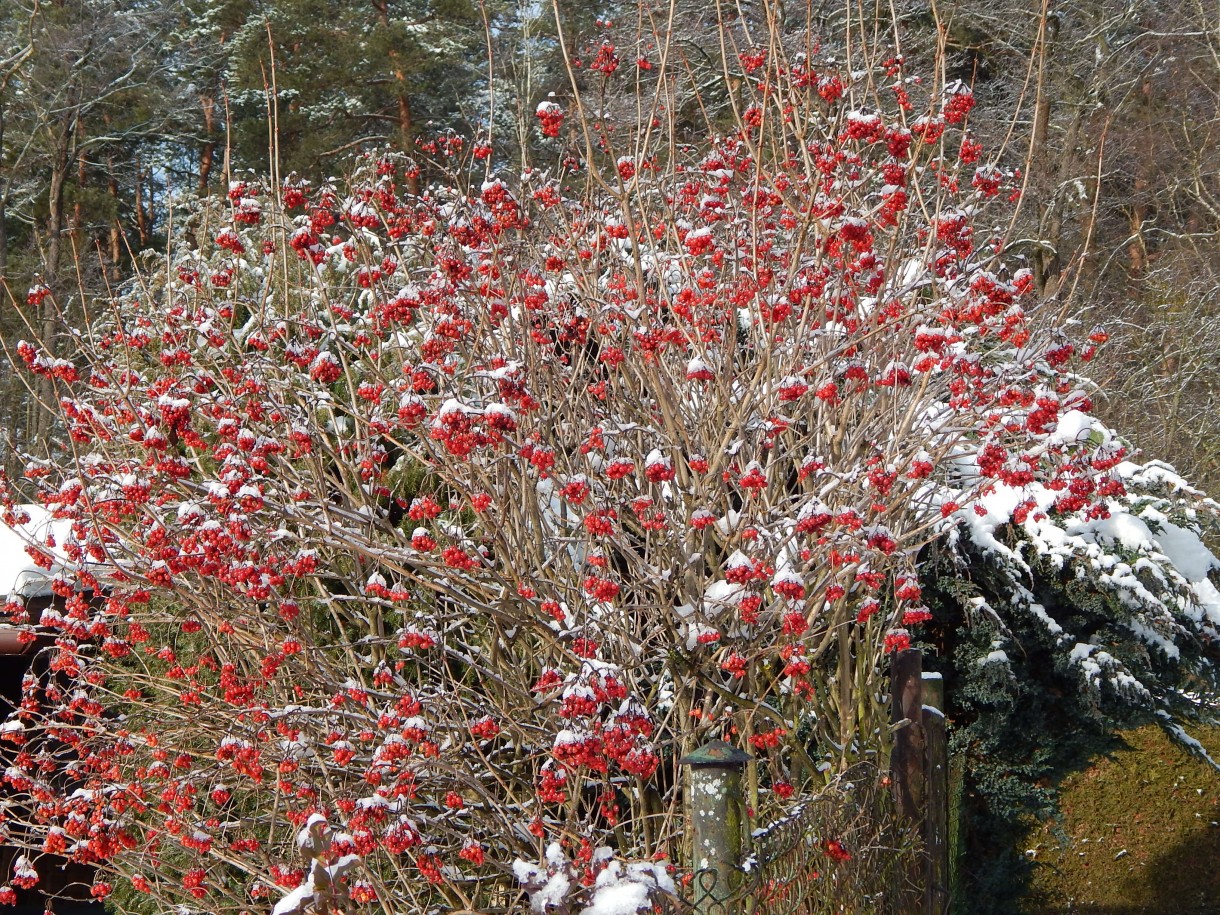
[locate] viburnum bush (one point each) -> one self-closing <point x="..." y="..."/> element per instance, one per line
<point x="426" y="533"/>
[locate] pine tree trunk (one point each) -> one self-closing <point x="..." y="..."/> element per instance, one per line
<point x="141" y="219"/>
<point x="406" y="123"/>
<point x="4" y="192"/>
<point x="207" y="155"/>
<point x="116" y="236"/>
<point x="82" y="175"/>
<point x="61" y="162"/>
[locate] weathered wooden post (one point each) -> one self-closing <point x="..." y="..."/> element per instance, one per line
<point x="717" y="821"/>
<point x="957" y="843"/>
<point x="919" y="764"/>
<point x="906" y="757"/>
<point x="907" y="763"/>
<point x="936" y="806"/>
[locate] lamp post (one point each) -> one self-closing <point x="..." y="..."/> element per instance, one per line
<point x="717" y="815"/>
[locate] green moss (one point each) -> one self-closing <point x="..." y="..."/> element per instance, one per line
<point x="1138" y="834"/>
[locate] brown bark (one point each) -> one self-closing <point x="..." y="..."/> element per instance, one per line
<point x="4" y="192"/>
<point x="142" y="221"/>
<point x="406" y="123"/>
<point x="1042" y="261"/>
<point x="405" y="127"/>
<point x="115" y="236"/>
<point x="1137" y="250"/>
<point x="208" y="154"/>
<point x="82" y="176"/>
<point x="3" y="233"/>
<point x="61" y="162"/>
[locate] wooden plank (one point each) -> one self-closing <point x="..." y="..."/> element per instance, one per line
<point x="907" y="755"/>
<point x="936" y="812"/>
<point x="906" y="763"/>
<point x="957" y="844"/>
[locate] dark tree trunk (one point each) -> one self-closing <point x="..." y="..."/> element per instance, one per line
<point x="207" y="156"/>
<point x="115" y="235"/>
<point x="4" y="191"/>
<point x="61" y="163"/>
<point x="142" y="221"/>
<point x="406" y="122"/>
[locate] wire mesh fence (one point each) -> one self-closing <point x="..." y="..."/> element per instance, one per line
<point x="842" y="851"/>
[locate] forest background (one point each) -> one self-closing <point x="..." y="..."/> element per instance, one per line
<point x="112" y="114"/>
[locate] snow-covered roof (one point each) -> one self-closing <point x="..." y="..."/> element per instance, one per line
<point x="18" y="572"/>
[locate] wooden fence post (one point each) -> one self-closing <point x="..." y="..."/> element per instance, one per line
<point x="936" y="806"/>
<point x="919" y="764"/>
<point x="906" y="757"/>
<point x="957" y="843"/>
<point x="907" y="761"/>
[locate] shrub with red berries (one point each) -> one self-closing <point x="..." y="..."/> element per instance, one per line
<point x="450" y="521"/>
